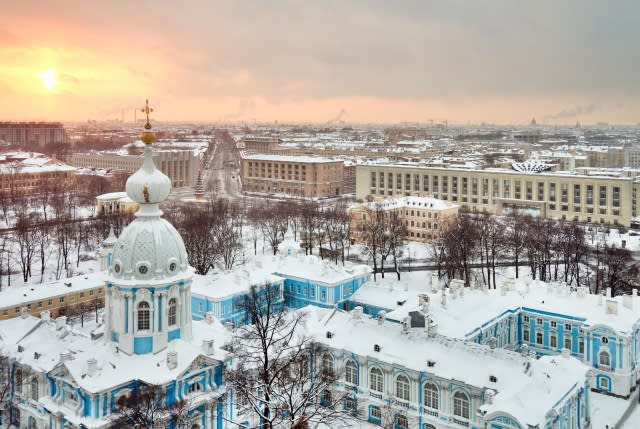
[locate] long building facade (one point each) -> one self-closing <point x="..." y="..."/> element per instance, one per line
<point x="33" y="133"/>
<point x="586" y="198"/>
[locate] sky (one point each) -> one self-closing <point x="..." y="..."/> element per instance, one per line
<point x="499" y="61"/>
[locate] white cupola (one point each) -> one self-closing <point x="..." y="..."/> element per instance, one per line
<point x="149" y="282"/>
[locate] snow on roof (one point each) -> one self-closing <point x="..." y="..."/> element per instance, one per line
<point x="416" y="202"/>
<point x="112" y="196"/>
<point x="42" y="346"/>
<point x="286" y="158"/>
<point x="463" y="315"/>
<point x="19" y="295"/>
<point x="272" y="269"/>
<point x="516" y="376"/>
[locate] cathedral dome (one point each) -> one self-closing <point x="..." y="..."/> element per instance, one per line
<point x="150" y="248"/>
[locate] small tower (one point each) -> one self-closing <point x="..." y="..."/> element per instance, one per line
<point x="199" y="188"/>
<point x="107" y="249"/>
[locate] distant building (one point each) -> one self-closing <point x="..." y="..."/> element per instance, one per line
<point x="293" y="175"/>
<point x="261" y="144"/>
<point x="349" y="178"/>
<point x="33" y="133"/>
<point x="115" y="202"/>
<point x="423" y="217"/>
<point x="181" y="165"/>
<point x="28" y="173"/>
<point x="599" y="197"/>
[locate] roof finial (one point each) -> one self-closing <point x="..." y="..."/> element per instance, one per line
<point x="147" y="135"/>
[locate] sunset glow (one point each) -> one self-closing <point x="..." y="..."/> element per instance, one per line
<point x="49" y="79"/>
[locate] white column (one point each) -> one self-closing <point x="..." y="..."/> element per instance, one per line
<point x="156" y="313"/>
<point x="107" y="318"/>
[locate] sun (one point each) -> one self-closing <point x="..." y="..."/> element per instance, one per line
<point x="49" y="79"/>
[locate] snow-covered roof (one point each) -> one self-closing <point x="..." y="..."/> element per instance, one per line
<point x="18" y="295"/>
<point x="286" y="158"/>
<point x="516" y="376"/>
<point x="39" y="344"/>
<point x="113" y="196"/>
<point x="461" y="316"/>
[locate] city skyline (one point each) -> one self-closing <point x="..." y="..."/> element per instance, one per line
<point x="310" y="62"/>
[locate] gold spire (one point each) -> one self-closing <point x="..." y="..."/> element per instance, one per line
<point x="147" y="136"/>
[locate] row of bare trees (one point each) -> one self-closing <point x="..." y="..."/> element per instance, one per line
<point x="555" y="250"/>
<point x="384" y="233"/>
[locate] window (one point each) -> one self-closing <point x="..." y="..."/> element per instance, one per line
<point x="172" y="311"/>
<point x="461" y="405"/>
<point x="525" y="335"/>
<point x="539" y="338"/>
<point x="349" y="404"/>
<point x="18" y="382"/>
<point x="327" y="365"/>
<point x="567" y="327"/>
<point x="553" y="341"/>
<point x="605" y="340"/>
<point x="402" y="422"/>
<point x="326" y="399"/>
<point x="34" y="389"/>
<point x="402" y="387"/>
<point x="604" y="358"/>
<point x="61" y="299"/>
<point x="351" y="372"/>
<point x="604" y="383"/>
<point x="375" y="380"/>
<point x="581" y="347"/>
<point x="539" y="321"/>
<point x="525" y="319"/>
<point x="554" y="324"/>
<point x="375" y="412"/>
<point x="143" y="316"/>
<point x="567" y="343"/>
<point x="431" y="396"/>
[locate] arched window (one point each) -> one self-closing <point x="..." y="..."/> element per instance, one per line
<point x="19" y="380"/>
<point x="431" y="396"/>
<point x="605" y="358"/>
<point x="375" y="380"/>
<point x="351" y="372"/>
<point x="327" y="365"/>
<point x="34" y="389"/>
<point x="172" y="311"/>
<point x="461" y="405"/>
<point x="143" y="316"/>
<point x="402" y="388"/>
<point x="402" y="422"/>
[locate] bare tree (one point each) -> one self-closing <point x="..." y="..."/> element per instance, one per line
<point x="309" y="222"/>
<point x="397" y="235"/>
<point x="279" y="372"/>
<point x="25" y="237"/>
<point x="196" y="229"/>
<point x="273" y="221"/>
<point x="145" y="408"/>
<point x="515" y="236"/>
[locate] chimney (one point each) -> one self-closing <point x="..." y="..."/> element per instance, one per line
<point x="634" y="292"/>
<point x="566" y="353"/>
<point x="65" y="357"/>
<point x="61" y="322"/>
<point x="612" y="306"/>
<point x="608" y="292"/>
<point x="24" y="312"/>
<point x="435" y="282"/>
<point x="92" y="367"/>
<point x="444" y="297"/>
<point x="172" y="359"/>
<point x="582" y="292"/>
<point x="627" y="301"/>
<point x="406" y="324"/>
<point x="356" y="313"/>
<point x="382" y="315"/>
<point x="493" y="343"/>
<point x="207" y="347"/>
<point x="45" y="316"/>
<point x="524" y="350"/>
<point x="600" y="299"/>
<point x="209" y="317"/>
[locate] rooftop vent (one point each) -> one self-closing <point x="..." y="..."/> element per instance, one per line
<point x="92" y="367"/>
<point x="329" y="334"/>
<point x="376" y="347"/>
<point x="493" y="379"/>
<point x="431" y="363"/>
<point x="207" y="347"/>
<point x="172" y="359"/>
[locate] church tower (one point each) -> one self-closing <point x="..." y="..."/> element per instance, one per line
<point x="148" y="290"/>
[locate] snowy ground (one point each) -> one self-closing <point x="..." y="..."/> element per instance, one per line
<point x="633" y="422"/>
<point x="607" y="410"/>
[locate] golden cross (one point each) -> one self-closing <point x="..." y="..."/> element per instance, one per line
<point x="147" y="110"/>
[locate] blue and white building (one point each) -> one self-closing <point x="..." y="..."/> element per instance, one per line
<point x="61" y="378"/>
<point x="603" y="332"/>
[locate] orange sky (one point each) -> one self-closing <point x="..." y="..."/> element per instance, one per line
<point x="307" y="61"/>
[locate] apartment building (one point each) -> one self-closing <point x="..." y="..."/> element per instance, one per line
<point x="293" y="175"/>
<point x="424" y="217"/>
<point x="25" y="173"/>
<point x="33" y="133"/>
<point x="601" y="198"/>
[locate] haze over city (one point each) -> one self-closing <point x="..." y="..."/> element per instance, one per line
<point x="374" y="61"/>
